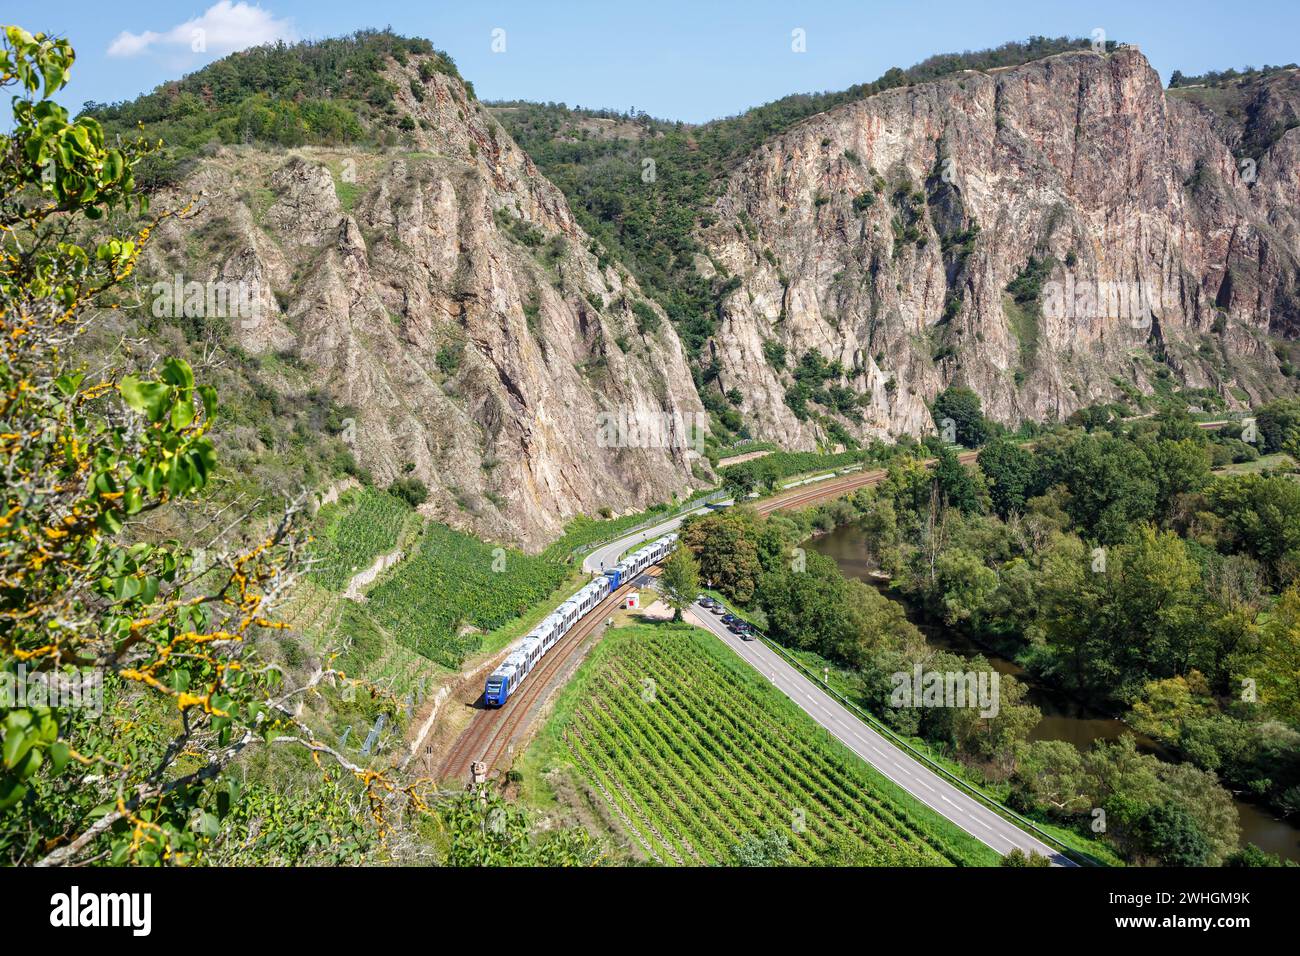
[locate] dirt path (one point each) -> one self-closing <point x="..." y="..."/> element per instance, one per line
<point x="748" y="456"/>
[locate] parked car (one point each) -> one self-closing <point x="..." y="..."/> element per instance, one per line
<point x="717" y="608"/>
<point x="707" y="602"/>
<point x="729" y="619"/>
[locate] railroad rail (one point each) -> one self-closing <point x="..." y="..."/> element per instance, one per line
<point x="491" y="730"/>
<point x="833" y="488"/>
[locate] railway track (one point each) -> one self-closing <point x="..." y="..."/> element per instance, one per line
<point x="834" y="487"/>
<point x="491" y="730"/>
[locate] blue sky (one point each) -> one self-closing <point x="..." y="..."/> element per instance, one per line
<point x="693" y="60"/>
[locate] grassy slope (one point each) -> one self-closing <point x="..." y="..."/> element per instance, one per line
<point x="365" y="523"/>
<point x="708" y="663"/>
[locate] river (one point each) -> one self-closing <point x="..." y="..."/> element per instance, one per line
<point x="1063" y="717"/>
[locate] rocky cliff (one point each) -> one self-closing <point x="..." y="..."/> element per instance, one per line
<point x="884" y="235"/>
<point x="1050" y="235"/>
<point x="445" y="296"/>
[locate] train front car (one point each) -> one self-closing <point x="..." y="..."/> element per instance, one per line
<point x="499" y="685"/>
<point x="524" y="656"/>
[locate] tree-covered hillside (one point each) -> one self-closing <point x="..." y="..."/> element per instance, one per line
<point x="327" y="93"/>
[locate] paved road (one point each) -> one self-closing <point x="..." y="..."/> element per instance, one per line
<point x="924" y="784"/>
<point x="917" y="779"/>
<point x="607" y="555"/>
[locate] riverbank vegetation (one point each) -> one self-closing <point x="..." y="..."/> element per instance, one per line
<point x="1110" y="561"/>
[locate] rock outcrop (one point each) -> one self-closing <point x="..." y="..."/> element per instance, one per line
<point x="884" y="234"/>
<point x="1050" y="235"/>
<point x="446" y="295"/>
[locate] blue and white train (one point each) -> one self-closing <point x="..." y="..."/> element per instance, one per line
<point x="529" y="649"/>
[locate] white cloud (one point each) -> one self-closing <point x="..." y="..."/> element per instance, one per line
<point x="223" y="28"/>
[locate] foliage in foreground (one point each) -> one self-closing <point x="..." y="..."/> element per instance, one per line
<point x="132" y="672"/>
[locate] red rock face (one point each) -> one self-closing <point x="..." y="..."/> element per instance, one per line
<point x="1158" y="242"/>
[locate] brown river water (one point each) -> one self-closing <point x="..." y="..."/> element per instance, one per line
<point x="1063" y="717"/>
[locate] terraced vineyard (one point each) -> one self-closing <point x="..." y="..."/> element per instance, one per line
<point x="363" y="524"/>
<point x="327" y="621"/>
<point x="455" y="579"/>
<point x="693" y="753"/>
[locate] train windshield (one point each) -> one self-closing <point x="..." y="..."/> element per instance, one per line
<point x="494" y="686"/>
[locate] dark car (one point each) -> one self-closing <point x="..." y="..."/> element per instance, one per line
<point x="735" y="627"/>
<point x="729" y="619"/>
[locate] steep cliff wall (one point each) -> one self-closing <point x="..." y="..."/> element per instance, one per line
<point x="884" y="235"/>
<point x="445" y="293"/>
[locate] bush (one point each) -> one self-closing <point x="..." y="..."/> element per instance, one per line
<point x="411" y="490"/>
<point x="647" y="318"/>
<point x="448" y="359"/>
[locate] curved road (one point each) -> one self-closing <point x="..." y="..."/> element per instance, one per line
<point x="607" y="555"/>
<point x="920" y="781"/>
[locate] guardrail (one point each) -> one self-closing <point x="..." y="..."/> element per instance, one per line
<point x="904" y="744"/>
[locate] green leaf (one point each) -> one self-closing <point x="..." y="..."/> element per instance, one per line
<point x="69" y="383"/>
<point x="182" y="413"/>
<point x="11" y="791"/>
<point x="148" y="398"/>
<point x="209" y="396"/>
<point x="54" y="76"/>
<point x="29" y="764"/>
<point x="113" y="166"/>
<point x="60" y="754"/>
<point x="178" y="372"/>
<point x="16" y="743"/>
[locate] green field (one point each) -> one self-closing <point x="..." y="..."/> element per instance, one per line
<point x="1262" y="463"/>
<point x="707" y="754"/>
<point x="583" y="532"/>
<point x="790" y="464"/>
<point x="358" y="528"/>
<point x="453" y="579"/>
